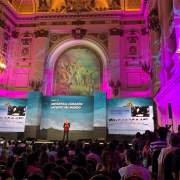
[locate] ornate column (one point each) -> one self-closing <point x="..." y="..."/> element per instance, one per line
<point x="166" y="9"/>
<point x="40" y="50"/>
<point x="114" y="49"/>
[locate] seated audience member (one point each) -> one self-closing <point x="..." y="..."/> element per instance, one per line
<point x="36" y="176"/>
<point x="47" y="171"/>
<point x="30" y="161"/>
<point x="37" y="153"/>
<point x="19" y="169"/>
<point x="161" y="141"/>
<point x="77" y="151"/>
<point x="151" y="137"/>
<point x="43" y="159"/>
<point x="108" y="164"/>
<point x="29" y="150"/>
<point x="93" y="155"/>
<point x="72" y="152"/>
<point x="12" y="145"/>
<point x="133" y="167"/>
<point x="98" y="150"/>
<point x="116" y="142"/>
<point x="143" y="142"/>
<point x="9" y="163"/>
<point x="24" y="155"/>
<point x="51" y="156"/>
<point x="20" y="150"/>
<point x="117" y="158"/>
<point x="176" y="164"/>
<point x="136" y="139"/>
<point x="125" y="149"/>
<point x="80" y="161"/>
<point x="60" y="155"/>
<point x="53" y="150"/>
<point x="65" y="152"/>
<point x="4" y="155"/>
<point x="178" y="130"/>
<point x="86" y="150"/>
<point x="172" y="141"/>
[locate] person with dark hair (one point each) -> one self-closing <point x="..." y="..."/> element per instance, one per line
<point x="65" y="152"/>
<point x="60" y="154"/>
<point x="161" y="141"/>
<point x="133" y="167"/>
<point x="72" y="148"/>
<point x="117" y="158"/>
<point x="9" y="163"/>
<point x="86" y="150"/>
<point x="37" y="153"/>
<point x="108" y="164"/>
<point x="36" y="176"/>
<point x="30" y="161"/>
<point x="136" y="139"/>
<point x="98" y="150"/>
<point x="80" y="161"/>
<point x="125" y="149"/>
<point x="143" y="142"/>
<point x="51" y="156"/>
<point x="19" y="169"/>
<point x="43" y="158"/>
<point x="53" y="150"/>
<point x="151" y="137"/>
<point x="20" y="150"/>
<point x="93" y="155"/>
<point x="47" y="171"/>
<point x="176" y="164"/>
<point x="172" y="141"/>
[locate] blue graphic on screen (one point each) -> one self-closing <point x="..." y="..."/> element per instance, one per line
<point x="130" y="115"/>
<point x="79" y="110"/>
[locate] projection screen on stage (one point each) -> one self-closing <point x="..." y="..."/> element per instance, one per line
<point x="130" y="115"/>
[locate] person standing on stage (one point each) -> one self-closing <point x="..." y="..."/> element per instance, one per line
<point x="66" y="129"/>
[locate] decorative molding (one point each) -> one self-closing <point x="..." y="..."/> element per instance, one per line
<point x="144" y="31"/>
<point x="78" y="33"/>
<point x="114" y="32"/>
<point x="121" y="32"/>
<point x="78" y="22"/>
<point x="41" y="33"/>
<point x="15" y="34"/>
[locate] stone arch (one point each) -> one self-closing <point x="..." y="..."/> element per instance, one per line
<point x="52" y="56"/>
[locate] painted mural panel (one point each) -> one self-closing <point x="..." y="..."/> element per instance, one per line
<point x="78" y="72"/>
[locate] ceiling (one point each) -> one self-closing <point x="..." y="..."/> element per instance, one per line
<point x="49" y="6"/>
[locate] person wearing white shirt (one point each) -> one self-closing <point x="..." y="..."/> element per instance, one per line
<point x="93" y="155"/>
<point x="133" y="167"/>
<point x="172" y="142"/>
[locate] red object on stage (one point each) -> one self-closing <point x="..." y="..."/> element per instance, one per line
<point x="66" y="127"/>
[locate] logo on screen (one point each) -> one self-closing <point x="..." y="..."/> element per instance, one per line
<point x="21" y="118"/>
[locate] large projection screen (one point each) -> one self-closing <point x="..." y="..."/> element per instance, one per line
<point x="130" y="115"/>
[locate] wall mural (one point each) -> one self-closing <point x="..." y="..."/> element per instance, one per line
<point x="77" y="71"/>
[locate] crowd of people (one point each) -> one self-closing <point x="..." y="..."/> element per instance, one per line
<point x="117" y="160"/>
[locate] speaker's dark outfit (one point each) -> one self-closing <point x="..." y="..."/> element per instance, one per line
<point x="66" y="131"/>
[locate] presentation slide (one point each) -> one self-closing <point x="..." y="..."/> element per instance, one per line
<point x="79" y="110"/>
<point x="12" y="118"/>
<point x="130" y="118"/>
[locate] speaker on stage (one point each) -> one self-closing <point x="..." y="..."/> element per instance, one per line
<point x="170" y="110"/>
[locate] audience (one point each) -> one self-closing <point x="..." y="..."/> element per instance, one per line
<point x="30" y="161"/>
<point x="161" y="142"/>
<point x="125" y="149"/>
<point x="4" y="155"/>
<point x="176" y="164"/>
<point x="172" y="141"/>
<point x="51" y="156"/>
<point x="108" y="164"/>
<point x="53" y="148"/>
<point x="93" y="155"/>
<point x="9" y="164"/>
<point x="143" y="142"/>
<point x="43" y="158"/>
<point x="133" y="167"/>
<point x="19" y="169"/>
<point x="36" y="176"/>
<point x="72" y="152"/>
<point x="136" y="139"/>
<point x="47" y="171"/>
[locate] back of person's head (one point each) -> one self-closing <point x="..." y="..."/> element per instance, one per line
<point x="43" y="158"/>
<point x="162" y="132"/>
<point x="179" y="128"/>
<point x="108" y="161"/>
<point x="30" y="159"/>
<point x="151" y="137"/>
<point x="124" y="141"/>
<point x="132" y="156"/>
<point x="121" y="148"/>
<point x="86" y="149"/>
<point x="19" y="168"/>
<point x="47" y="170"/>
<point x="112" y="146"/>
<point x="126" y="146"/>
<point x="173" y="139"/>
<point x="29" y="149"/>
<point x="53" y="148"/>
<point x="4" y="154"/>
<point x="37" y="153"/>
<point x="60" y="153"/>
<point x="20" y="150"/>
<point x="146" y="134"/>
<point x="24" y="155"/>
<point x="98" y="150"/>
<point x="116" y="142"/>
<point x="66" y="152"/>
<point x="77" y="151"/>
<point x="37" y="175"/>
<point x="72" y="147"/>
<point x="80" y="160"/>
<point x="138" y="135"/>
<point x="10" y="161"/>
<point x="44" y="147"/>
<point x="93" y="148"/>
